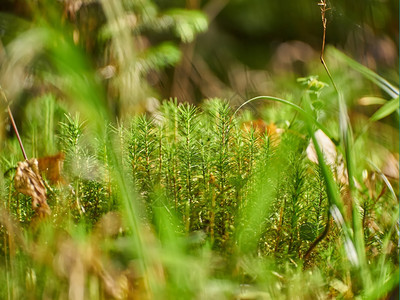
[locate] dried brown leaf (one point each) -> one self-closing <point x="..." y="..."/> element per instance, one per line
<point x="51" y="166"/>
<point x="28" y="181"/>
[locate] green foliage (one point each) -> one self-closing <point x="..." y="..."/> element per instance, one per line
<point x="187" y="202"/>
<point x="208" y="185"/>
<point x="185" y="23"/>
<point x="159" y="57"/>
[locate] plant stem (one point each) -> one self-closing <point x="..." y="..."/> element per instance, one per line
<point x="319" y="238"/>
<point x="324" y="8"/>
<point x="13" y="123"/>
<point x="16" y="132"/>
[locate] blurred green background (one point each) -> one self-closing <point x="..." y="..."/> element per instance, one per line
<point x="250" y="47"/>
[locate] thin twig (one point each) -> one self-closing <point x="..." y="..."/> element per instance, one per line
<point x="16" y="132"/>
<point x="13" y="124"/>
<point x="324" y="9"/>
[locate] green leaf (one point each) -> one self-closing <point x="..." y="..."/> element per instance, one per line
<point x="11" y="26"/>
<point x="387" y="109"/>
<point x="159" y="57"/>
<point x="371" y="100"/>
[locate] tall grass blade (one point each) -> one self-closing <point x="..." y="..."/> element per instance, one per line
<point x="358" y="231"/>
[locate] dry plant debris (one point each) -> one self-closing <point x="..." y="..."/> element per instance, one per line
<point x="29" y="182"/>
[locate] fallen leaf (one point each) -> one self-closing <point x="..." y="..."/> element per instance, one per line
<point x="28" y="181"/>
<point x="51" y="166"/>
<point x="331" y="157"/>
<point x="391" y="166"/>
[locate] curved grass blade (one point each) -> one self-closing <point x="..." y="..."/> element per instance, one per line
<point x="367" y="73"/>
<point x="291" y="104"/>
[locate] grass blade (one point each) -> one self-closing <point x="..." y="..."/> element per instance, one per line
<point x="291" y="104"/>
<point x="387" y="109"/>
<point x="391" y="90"/>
